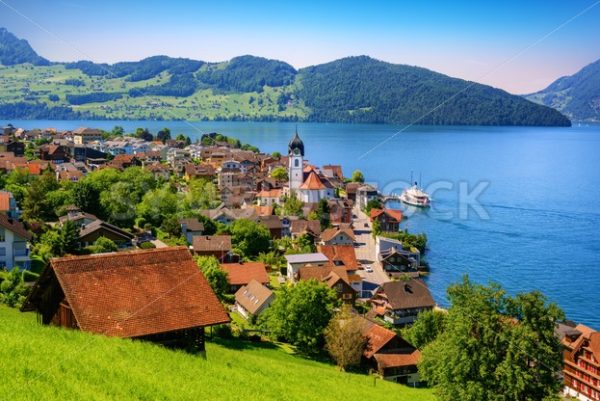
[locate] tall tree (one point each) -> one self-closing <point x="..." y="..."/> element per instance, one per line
<point x="163" y="135"/>
<point x="249" y="237"/>
<point x="35" y="205"/>
<point x="357" y="176"/>
<point x="344" y="339"/>
<point x="495" y="347"/>
<point x="300" y="314"/>
<point x="216" y="277"/>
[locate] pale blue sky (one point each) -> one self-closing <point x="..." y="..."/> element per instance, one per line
<point x="463" y="39"/>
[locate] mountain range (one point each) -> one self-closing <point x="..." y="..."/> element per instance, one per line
<point x="353" y="90"/>
<point x="577" y="95"/>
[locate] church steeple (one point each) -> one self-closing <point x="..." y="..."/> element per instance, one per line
<point x="296" y="143"/>
<point x="296" y="162"/>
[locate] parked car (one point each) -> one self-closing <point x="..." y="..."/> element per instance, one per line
<point x="368" y="268"/>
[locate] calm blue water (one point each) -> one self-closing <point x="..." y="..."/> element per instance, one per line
<point x="542" y="203"/>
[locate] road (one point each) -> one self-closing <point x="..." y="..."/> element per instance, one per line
<point x="365" y="249"/>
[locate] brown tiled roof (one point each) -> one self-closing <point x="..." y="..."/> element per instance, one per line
<point x="394" y="214"/>
<point x="243" y="273"/>
<point x="398" y="358"/>
<point x="102" y="225"/>
<point x="14" y="225"/>
<point x="208" y="243"/>
<point x="340" y="255"/>
<point x="323" y="273"/>
<point x="313" y="182"/>
<point x="192" y="224"/>
<point x="253" y="296"/>
<point x="332" y="232"/>
<point x="273" y="193"/>
<point x="138" y="293"/>
<point x="377" y="338"/>
<point x="302" y="226"/>
<point x="406" y="295"/>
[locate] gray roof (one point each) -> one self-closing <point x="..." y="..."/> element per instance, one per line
<point x="306" y="258"/>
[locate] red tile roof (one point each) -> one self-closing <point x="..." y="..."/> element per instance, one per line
<point x="377" y="338"/>
<point x="340" y="254"/>
<point x="313" y="182"/>
<point x="207" y="243"/>
<point x="395" y="214"/>
<point x="332" y="232"/>
<point x="138" y="293"/>
<point x="243" y="273"/>
<point x="398" y="359"/>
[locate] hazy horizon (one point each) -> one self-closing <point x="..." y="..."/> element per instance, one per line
<point x="518" y="47"/>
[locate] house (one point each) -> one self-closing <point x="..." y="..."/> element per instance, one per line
<point x="78" y="217"/>
<point x="227" y="215"/>
<point x="269" y="197"/>
<point x="158" y="170"/>
<point x="218" y="246"/>
<point x="335" y="277"/>
<point x="364" y="194"/>
<point x="399" y="302"/>
<point x="341" y="235"/>
<point x="340" y="211"/>
<point x="388" y="219"/>
<point x="190" y="228"/>
<point x="14" y="249"/>
<point x="581" y="370"/>
<point x="273" y="223"/>
<point x="397" y="262"/>
<point x="203" y="170"/>
<point x="295" y="262"/>
<point x="392" y="357"/>
<point x="8" y="205"/>
<point x="384" y="244"/>
<point x="240" y="274"/>
<point x="110" y="294"/>
<point x="351" y="189"/>
<point x="54" y="153"/>
<point x="252" y="299"/>
<point x="84" y="135"/>
<point x="89" y="233"/>
<point x="300" y="227"/>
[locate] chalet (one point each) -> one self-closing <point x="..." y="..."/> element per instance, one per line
<point x="340" y="211"/>
<point x="8" y="205"/>
<point x="269" y="197"/>
<point x="240" y="274"/>
<point x="338" y="236"/>
<point x="8" y="144"/>
<point x="190" y="228"/>
<point x="581" y="370"/>
<point x="218" y="246"/>
<point x="252" y="299"/>
<point x="14" y="249"/>
<point x="89" y="233"/>
<point x="124" y="161"/>
<point x="273" y="223"/>
<point x="399" y="302"/>
<point x="158" y="170"/>
<point x="109" y="294"/>
<point x="364" y="194"/>
<point x="397" y="262"/>
<point x="83" y="135"/>
<point x="54" y="153"/>
<point x="86" y="154"/>
<point x="392" y="357"/>
<point x="388" y="219"/>
<point x="336" y="278"/>
<point x="295" y="262"/>
<point x="203" y="170"/>
<point x="301" y="227"/>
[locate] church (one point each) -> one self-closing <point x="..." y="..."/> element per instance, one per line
<point x="305" y="180"/>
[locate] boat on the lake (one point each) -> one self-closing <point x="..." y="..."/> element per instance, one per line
<point x="415" y="196"/>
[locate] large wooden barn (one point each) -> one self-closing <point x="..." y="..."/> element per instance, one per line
<point x="158" y="295"/>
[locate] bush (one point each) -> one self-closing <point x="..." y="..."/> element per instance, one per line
<point x="147" y="245"/>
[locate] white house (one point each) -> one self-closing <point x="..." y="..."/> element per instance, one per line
<point x="14" y="250"/>
<point x="295" y="262"/>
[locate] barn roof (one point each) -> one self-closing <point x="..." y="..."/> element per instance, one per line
<point x="137" y="293"/>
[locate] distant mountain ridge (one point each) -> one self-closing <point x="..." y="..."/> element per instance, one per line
<point x="353" y="89"/>
<point x="577" y="95"/>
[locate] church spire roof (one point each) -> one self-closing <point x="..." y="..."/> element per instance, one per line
<point x="296" y="143"/>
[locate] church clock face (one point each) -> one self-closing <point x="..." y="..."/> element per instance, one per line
<point x="296" y="151"/>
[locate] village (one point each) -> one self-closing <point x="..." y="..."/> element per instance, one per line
<point x="154" y="238"/>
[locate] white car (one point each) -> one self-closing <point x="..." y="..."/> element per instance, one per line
<point x="368" y="268"/>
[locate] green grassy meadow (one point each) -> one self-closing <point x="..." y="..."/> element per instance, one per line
<point x="47" y="363"/>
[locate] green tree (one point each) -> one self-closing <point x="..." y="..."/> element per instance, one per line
<point x="144" y="134"/>
<point x="163" y="135"/>
<point x="86" y="197"/>
<point x="279" y="173"/>
<point x="300" y="313"/>
<point x="344" y="338"/>
<point x="201" y="194"/>
<point x="249" y="237"/>
<point x="157" y="205"/>
<point x="427" y="327"/>
<point x="103" y="245"/>
<point x="117" y="131"/>
<point x="69" y="236"/>
<point x="373" y="204"/>
<point x="292" y="206"/>
<point x="357" y="176"/>
<point x="13" y="290"/>
<point x="323" y="213"/>
<point x="36" y="205"/>
<point x="495" y="347"/>
<point x="276" y="155"/>
<point x="216" y="277"/>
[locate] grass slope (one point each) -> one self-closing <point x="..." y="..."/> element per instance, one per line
<point x="46" y="363"/>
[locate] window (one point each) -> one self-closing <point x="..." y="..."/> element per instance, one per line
<point x="2" y="237"/>
<point x="2" y="251"/>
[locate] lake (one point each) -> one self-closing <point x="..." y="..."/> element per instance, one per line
<point x="535" y="225"/>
